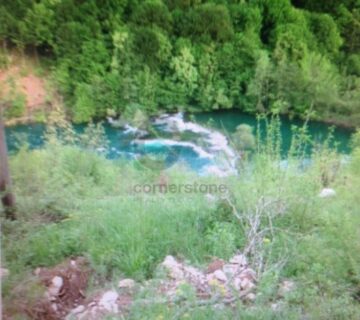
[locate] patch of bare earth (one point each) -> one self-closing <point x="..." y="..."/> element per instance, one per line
<point x="30" y="85"/>
<point x="19" y="79"/>
<point x="50" y="293"/>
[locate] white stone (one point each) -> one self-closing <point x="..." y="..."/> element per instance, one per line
<point x="54" y="306"/>
<point x="237" y="284"/>
<point x="246" y="284"/>
<point x="249" y="274"/>
<point x="327" y="193"/>
<point x="239" y="259"/>
<point x="126" y="283"/>
<point x="57" y="281"/>
<point x="230" y="269"/>
<point x="78" y="309"/>
<point x="174" y="268"/>
<point x="109" y="301"/>
<point x="220" y="275"/>
<point x="250" y="297"/>
<point x="55" y="286"/>
<point x="194" y="275"/>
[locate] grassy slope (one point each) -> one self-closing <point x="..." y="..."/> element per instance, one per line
<point x="73" y="202"/>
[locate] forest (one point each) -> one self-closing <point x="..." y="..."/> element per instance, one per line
<point x="299" y="58"/>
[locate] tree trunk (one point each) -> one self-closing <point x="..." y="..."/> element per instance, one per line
<point x="7" y="197"/>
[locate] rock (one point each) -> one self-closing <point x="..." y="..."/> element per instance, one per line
<point x="54" y="307"/>
<point x="250" y="297"/>
<point x="246" y="284"/>
<point x="55" y="286"/>
<point x="239" y="260"/>
<point x="327" y="193"/>
<point x="215" y="265"/>
<point x="237" y="284"/>
<point x="194" y="275"/>
<point x="126" y="284"/>
<point x="231" y="269"/>
<point x="109" y="301"/>
<point x="78" y="309"/>
<point x="248" y="274"/>
<point x="173" y="267"/>
<point x="220" y="275"/>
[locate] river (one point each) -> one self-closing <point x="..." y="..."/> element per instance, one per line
<point x="183" y="139"/>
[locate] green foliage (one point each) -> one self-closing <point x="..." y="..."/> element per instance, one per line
<point x="185" y="73"/>
<point x="17" y="107"/>
<point x="327" y="35"/>
<point x="197" y="55"/>
<point x="350" y="30"/>
<point x="13" y="100"/>
<point x="84" y="107"/>
<point x="260" y="85"/>
<point x="222" y="239"/>
<point x="244" y="138"/>
<point x="39" y="24"/>
<point x="211" y="22"/>
<point x="153" y="13"/>
<point x="152" y="46"/>
<point x="4" y="60"/>
<point x="354" y="64"/>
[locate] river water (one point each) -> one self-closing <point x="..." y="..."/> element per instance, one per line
<point x="198" y="141"/>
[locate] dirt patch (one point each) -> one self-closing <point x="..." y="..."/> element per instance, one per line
<point x="51" y="292"/>
<point x="32" y="87"/>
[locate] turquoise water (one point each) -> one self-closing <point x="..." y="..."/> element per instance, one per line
<point x="229" y="120"/>
<point x="171" y="146"/>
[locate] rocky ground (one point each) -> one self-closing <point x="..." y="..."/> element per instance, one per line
<point x="64" y="289"/>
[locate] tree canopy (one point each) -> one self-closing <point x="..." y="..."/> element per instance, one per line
<point x="200" y="55"/>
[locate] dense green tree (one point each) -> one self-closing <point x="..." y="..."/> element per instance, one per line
<point x="146" y="84"/>
<point x="209" y="21"/>
<point x="152" y="46"/>
<point x="260" y="84"/>
<point x="198" y="55"/>
<point x="39" y="24"/>
<point x="326" y="32"/>
<point x="152" y="13"/>
<point x="184" y="71"/>
<point x="349" y="24"/>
